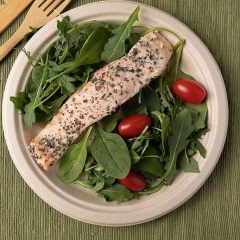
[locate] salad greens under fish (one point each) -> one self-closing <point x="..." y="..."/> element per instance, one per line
<point x="158" y="153"/>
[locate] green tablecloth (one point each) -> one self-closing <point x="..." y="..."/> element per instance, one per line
<point x="212" y="213"/>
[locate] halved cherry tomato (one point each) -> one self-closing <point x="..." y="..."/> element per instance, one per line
<point x="134" y="181"/>
<point x="189" y="90"/>
<point x="133" y="125"/>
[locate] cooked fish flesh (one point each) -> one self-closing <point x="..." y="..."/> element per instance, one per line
<point x="108" y="88"/>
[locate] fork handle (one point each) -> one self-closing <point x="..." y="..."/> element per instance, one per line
<point x="13" y="41"/>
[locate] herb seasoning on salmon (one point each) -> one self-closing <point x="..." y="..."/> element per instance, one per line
<point x="109" y="87"/>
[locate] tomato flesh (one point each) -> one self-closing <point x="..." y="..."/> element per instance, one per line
<point x="134" y="181"/>
<point x="133" y="125"/>
<point x="189" y="90"/>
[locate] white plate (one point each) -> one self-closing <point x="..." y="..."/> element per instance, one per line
<point x="78" y="202"/>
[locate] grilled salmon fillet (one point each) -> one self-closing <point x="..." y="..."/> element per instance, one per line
<point x="108" y="88"/>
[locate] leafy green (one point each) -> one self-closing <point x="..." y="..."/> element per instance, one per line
<point x="115" y="47"/>
<point x="19" y="101"/>
<point x="93" y="47"/>
<point x="149" y="164"/>
<point x="177" y="142"/>
<point x="73" y="161"/>
<point x="39" y="77"/>
<point x="134" y="157"/>
<point x="189" y="166"/>
<point x="199" y="147"/>
<point x="28" y="35"/>
<point x="181" y="129"/>
<point x="176" y="71"/>
<point x="52" y="107"/>
<point x="111" y="152"/>
<point x="148" y="99"/>
<point x="201" y="108"/>
<point x="165" y="126"/>
<point x="117" y="193"/>
<point x="109" y="122"/>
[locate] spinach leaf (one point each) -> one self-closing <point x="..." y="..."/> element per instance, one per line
<point x="150" y="100"/>
<point x="134" y="157"/>
<point x="115" y="47"/>
<point x="52" y="106"/>
<point x="111" y="152"/>
<point x="109" y="122"/>
<point x="93" y="47"/>
<point x="73" y="160"/>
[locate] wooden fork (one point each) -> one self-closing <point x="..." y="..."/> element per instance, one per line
<point x="40" y="13"/>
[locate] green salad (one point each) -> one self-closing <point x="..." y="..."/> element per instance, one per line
<point x="144" y="144"/>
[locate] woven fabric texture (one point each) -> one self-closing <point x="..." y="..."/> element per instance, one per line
<point x="212" y="213"/>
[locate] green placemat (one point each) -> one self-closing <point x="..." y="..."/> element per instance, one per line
<point x="212" y="213"/>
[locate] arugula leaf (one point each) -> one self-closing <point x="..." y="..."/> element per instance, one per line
<point x="177" y="142"/>
<point x="111" y="152"/>
<point x="189" y="166"/>
<point x="181" y="129"/>
<point x="39" y="76"/>
<point x="28" y="35"/>
<point x="63" y="48"/>
<point x="73" y="160"/>
<point x="64" y="27"/>
<point x="197" y="121"/>
<point x="84" y="184"/>
<point x="176" y="71"/>
<point x="199" y="147"/>
<point x="201" y="108"/>
<point x="66" y="82"/>
<point x="165" y="126"/>
<point x="115" y="47"/>
<point x="19" y="101"/>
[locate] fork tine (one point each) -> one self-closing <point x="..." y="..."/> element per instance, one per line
<point x="53" y="4"/>
<point x="45" y="4"/>
<point x="59" y="8"/>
